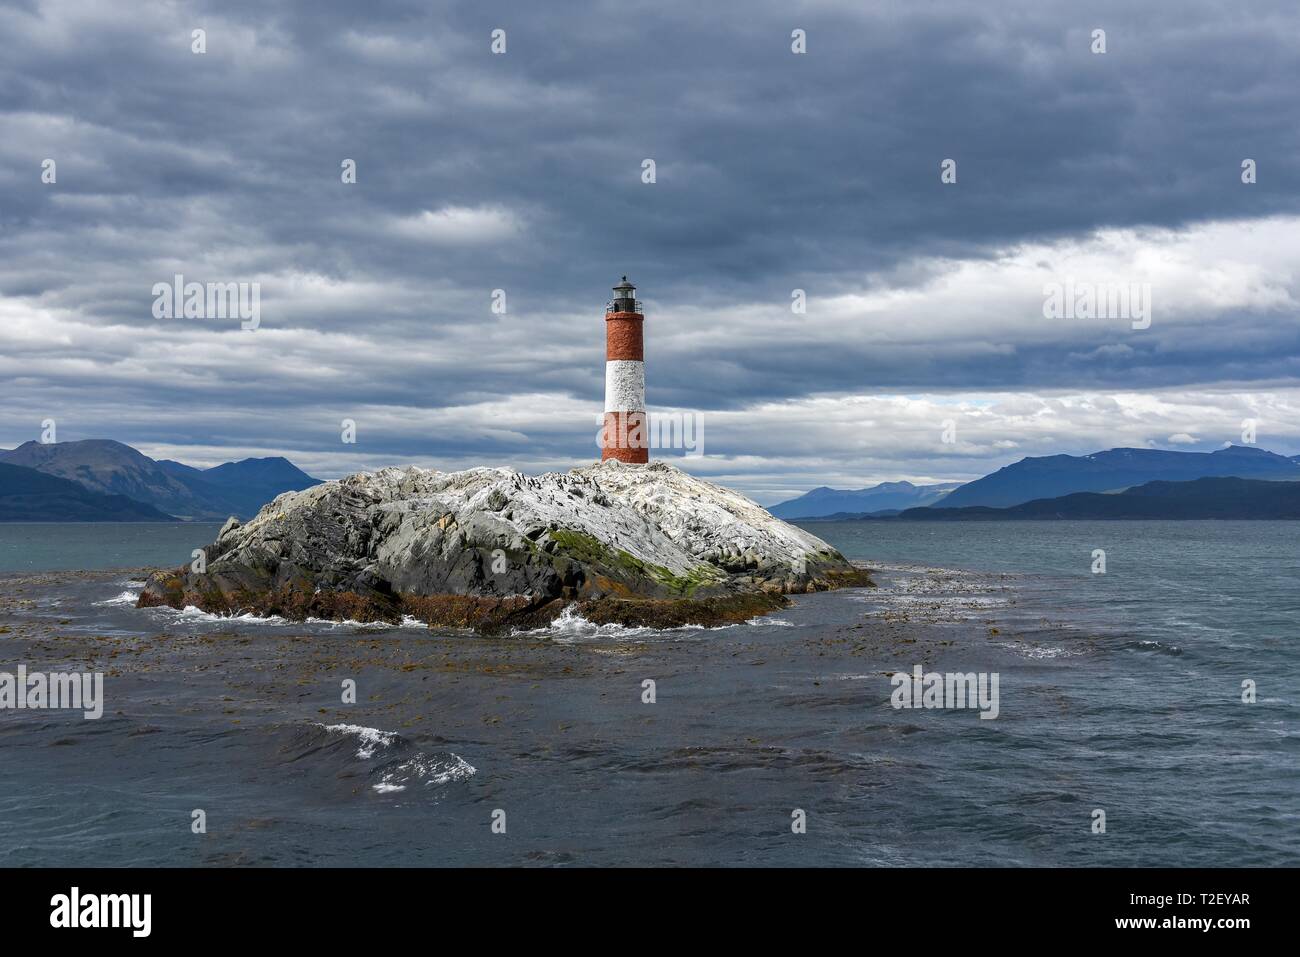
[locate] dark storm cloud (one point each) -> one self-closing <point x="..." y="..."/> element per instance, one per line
<point x="522" y="172"/>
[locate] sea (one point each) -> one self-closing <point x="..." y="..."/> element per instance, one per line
<point x="1147" y="706"/>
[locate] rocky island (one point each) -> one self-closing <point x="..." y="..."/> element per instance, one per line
<point x="493" y="549"/>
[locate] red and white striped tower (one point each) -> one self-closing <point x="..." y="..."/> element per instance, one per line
<point x="626" y="434"/>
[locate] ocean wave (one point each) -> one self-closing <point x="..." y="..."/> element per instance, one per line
<point x="192" y="614"/>
<point x="571" y="627"/>
<point x="426" y="770"/>
<point x="1039" y="652"/>
<point x="406" y="622"/>
<point x="941" y="600"/>
<point x="1159" y="647"/>
<point x="392" y="762"/>
<point x="372" y="739"/>
<point x="126" y="598"/>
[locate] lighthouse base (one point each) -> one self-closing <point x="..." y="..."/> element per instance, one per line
<point x="625" y="436"/>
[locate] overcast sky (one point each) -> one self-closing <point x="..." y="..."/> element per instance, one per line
<point x="775" y="171"/>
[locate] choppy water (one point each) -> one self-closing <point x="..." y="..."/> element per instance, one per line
<point x="1119" y="691"/>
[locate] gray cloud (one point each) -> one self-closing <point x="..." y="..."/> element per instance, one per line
<point x="522" y="172"/>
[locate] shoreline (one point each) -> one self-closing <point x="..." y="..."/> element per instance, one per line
<point x="491" y="615"/>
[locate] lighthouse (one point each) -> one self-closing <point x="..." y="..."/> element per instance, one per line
<point x="625" y="435"/>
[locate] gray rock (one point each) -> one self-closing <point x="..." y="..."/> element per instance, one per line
<point x="378" y="543"/>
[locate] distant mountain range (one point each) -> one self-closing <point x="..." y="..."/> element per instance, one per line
<point x="110" y="481"/>
<point x="1046" y="477"/>
<point x="832" y="502"/>
<point x="111" y="469"/>
<point x="1205" y="498"/>
<point x="1054" y="475"/>
<point x="27" y="495"/>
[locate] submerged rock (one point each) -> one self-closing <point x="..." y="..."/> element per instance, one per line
<point x="493" y="549"/>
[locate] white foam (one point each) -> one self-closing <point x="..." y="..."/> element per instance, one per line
<point x="371" y="738"/>
<point x="1038" y="652"/>
<point x="406" y="622"/>
<point x="571" y="626"/>
<point x="778" y="622"/>
<point x="192" y="613"/>
<point x="126" y="598"/>
<point x="432" y="771"/>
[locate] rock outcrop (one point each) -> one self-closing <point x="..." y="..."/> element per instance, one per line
<point x="495" y="549"/>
